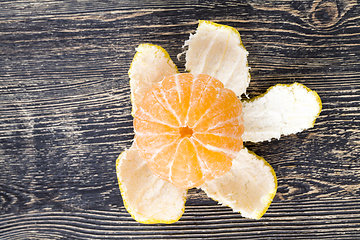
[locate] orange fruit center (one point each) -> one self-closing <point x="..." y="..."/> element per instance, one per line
<point x="185" y="132"/>
<point x="188" y="128"/>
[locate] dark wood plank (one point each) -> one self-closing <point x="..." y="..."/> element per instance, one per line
<point x="65" y="116"/>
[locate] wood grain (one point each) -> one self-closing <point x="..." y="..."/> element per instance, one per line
<point x="65" y="116"/>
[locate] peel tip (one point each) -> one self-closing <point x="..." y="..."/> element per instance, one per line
<point x="317" y="97"/>
<point x="142" y="46"/>
<point x="225" y="27"/>
<point x="221" y="26"/>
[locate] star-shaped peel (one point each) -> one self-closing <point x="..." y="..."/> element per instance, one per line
<point x="250" y="185"/>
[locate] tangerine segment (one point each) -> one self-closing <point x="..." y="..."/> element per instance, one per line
<point x="150" y="142"/>
<point x="190" y="174"/>
<point x="154" y="127"/>
<point x="249" y="187"/>
<point x="199" y="126"/>
<point x="214" y="163"/>
<point x="177" y="92"/>
<point x="160" y="160"/>
<point x="219" y="113"/>
<point x="230" y="146"/>
<point x="205" y="96"/>
<point x="159" y="112"/>
<point x="230" y="128"/>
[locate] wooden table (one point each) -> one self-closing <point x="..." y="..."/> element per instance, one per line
<point x="65" y="116"/>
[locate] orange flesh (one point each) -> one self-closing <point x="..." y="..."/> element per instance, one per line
<point x="188" y="128"/>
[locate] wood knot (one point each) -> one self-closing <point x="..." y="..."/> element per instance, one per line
<point x="325" y="14"/>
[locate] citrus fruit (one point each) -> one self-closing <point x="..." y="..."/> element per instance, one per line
<point x="147" y="198"/>
<point x="249" y="187"/>
<point x="150" y="65"/>
<point x="188" y="128"/>
<point x="217" y="50"/>
<point x="283" y="109"/>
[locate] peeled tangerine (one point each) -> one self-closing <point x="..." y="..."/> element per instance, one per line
<point x="189" y="128"/>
